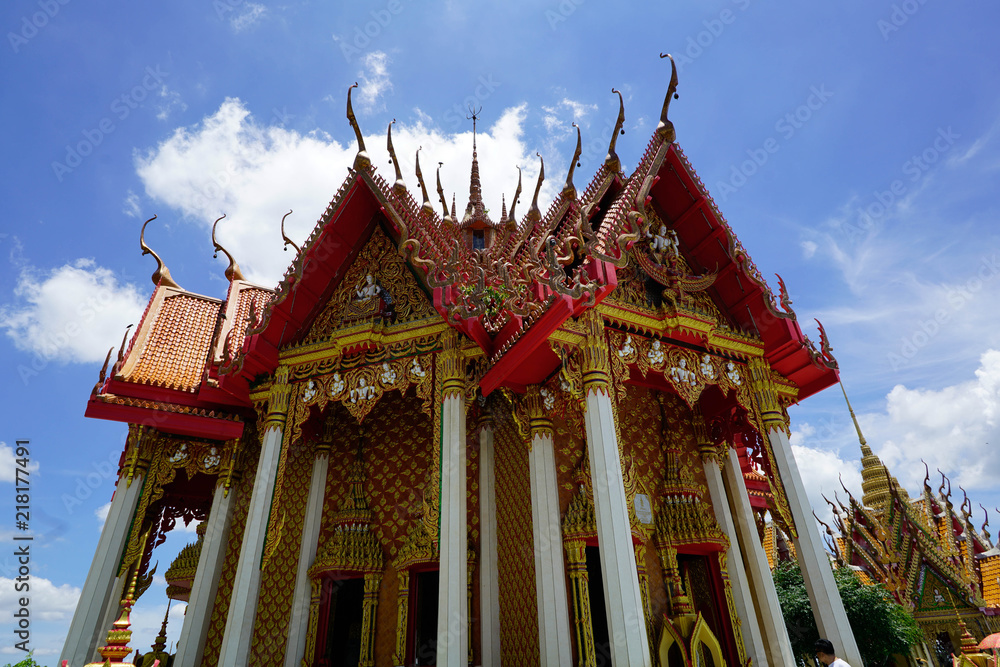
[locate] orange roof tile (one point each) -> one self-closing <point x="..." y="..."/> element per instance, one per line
<point x="174" y="346"/>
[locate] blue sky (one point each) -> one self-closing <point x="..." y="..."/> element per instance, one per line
<point x="852" y="146"/>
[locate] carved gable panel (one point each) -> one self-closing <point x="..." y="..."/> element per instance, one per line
<point x="377" y="286"/>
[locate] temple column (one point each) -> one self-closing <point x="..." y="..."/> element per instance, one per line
<point x="828" y="608"/>
<point x="238" y="636"/>
<point x="453" y="621"/>
<point x="298" y="625"/>
<point x="749" y="630"/>
<point x="626" y="619"/>
<point x="774" y="635"/>
<point x="550" y="572"/>
<point x="194" y="632"/>
<point x="86" y="629"/>
<point x="489" y="586"/>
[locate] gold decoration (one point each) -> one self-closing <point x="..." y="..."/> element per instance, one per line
<point x="451" y="365"/>
<point x="595" y="366"/>
<point x="538" y="403"/>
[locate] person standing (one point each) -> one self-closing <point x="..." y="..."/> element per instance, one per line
<point x="826" y="655"/>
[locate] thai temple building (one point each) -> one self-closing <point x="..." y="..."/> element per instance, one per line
<point x="544" y="439"/>
<point x="925" y="551"/>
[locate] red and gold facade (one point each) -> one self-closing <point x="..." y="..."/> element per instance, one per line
<point x="425" y="410"/>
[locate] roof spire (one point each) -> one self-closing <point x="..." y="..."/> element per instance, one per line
<point x="475" y="211"/>
<point x="361" y="160"/>
<point x="611" y="161"/>
<point x="399" y="186"/>
<point x="569" y="190"/>
<point x="857" y="427"/>
<point x="512" y="219"/>
<point x="162" y="273"/>
<point x="503" y="207"/>
<point x="446" y="217"/>
<point x="426" y="206"/>
<point x="534" y="213"/>
<point x="288" y="241"/>
<point x="666" y="129"/>
<point x="233" y="270"/>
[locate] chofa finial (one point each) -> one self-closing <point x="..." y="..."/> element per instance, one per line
<point x="569" y="190"/>
<point x="399" y="186"/>
<point x="446" y="216"/>
<point x="162" y="274"/>
<point x="233" y="270"/>
<point x="535" y="213"/>
<point x="361" y="160"/>
<point x="512" y="218"/>
<point x="611" y="161"/>
<point x="288" y="241"/>
<point x="426" y="206"/>
<point x="666" y="129"/>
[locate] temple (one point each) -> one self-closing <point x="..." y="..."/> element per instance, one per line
<point x="927" y="553"/>
<point x="545" y="440"/>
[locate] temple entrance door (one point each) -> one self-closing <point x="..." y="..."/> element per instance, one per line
<point x="423" y="617"/>
<point x="598" y="610"/>
<point x="343" y="637"/>
<point x="703" y="585"/>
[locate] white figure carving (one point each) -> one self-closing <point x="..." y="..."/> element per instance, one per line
<point x="663" y="241"/>
<point x="627" y="349"/>
<point x="548" y="398"/>
<point x="417" y="370"/>
<point x="310" y="392"/>
<point x="212" y="458"/>
<point x="369" y="290"/>
<point x="337" y="385"/>
<point x="707" y="369"/>
<point x="388" y="374"/>
<point x="180" y="454"/>
<point x="680" y="373"/>
<point x="362" y="392"/>
<point x="655" y="354"/>
<point x="733" y="373"/>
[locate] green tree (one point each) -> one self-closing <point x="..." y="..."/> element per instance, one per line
<point x="27" y="662"/>
<point x="881" y="626"/>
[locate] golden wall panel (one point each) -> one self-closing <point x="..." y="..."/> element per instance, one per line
<point x="515" y="555"/>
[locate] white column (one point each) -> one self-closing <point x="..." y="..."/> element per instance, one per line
<point x="236" y="640"/>
<point x="489" y="586"/>
<point x="85" y="630"/>
<point x="453" y="608"/>
<point x="550" y="569"/>
<point x="753" y="643"/>
<point x="828" y="608"/>
<point x="774" y="634"/>
<point x="299" y="623"/>
<point x="198" y="615"/>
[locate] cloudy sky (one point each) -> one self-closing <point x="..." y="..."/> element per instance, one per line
<point x="853" y="147"/>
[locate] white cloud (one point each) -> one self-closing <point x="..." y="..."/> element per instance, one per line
<point x="822" y="471"/>
<point x="102" y="514"/>
<point x="808" y="249"/>
<point x="51" y="608"/>
<point x="252" y="13"/>
<point x="374" y="81"/>
<point x="169" y="100"/>
<point x="232" y="163"/>
<point x="72" y="314"/>
<point x="8" y="456"/>
<point x="130" y="206"/>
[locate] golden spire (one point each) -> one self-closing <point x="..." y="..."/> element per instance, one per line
<point x="454" y="214"/>
<point x="611" y="161"/>
<point x="446" y="216"/>
<point x="875" y="477"/>
<point x="361" y="160"/>
<point x="503" y="207"/>
<point x="288" y="241"/>
<point x="534" y="213"/>
<point x="569" y="190"/>
<point x="399" y="186"/>
<point x="117" y="648"/>
<point x="861" y="437"/>
<point x="665" y="128"/>
<point x="233" y="270"/>
<point x="426" y="206"/>
<point x="475" y="210"/>
<point x="162" y="274"/>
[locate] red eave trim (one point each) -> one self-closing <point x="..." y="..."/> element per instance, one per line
<point x="168" y="422"/>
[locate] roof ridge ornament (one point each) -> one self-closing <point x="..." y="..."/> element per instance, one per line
<point x="426" y="207"/>
<point x="361" y="160"/>
<point x="162" y="274"/>
<point x="288" y="241"/>
<point x="612" y="162"/>
<point x="534" y="213"/>
<point x="512" y="218"/>
<point x="666" y="128"/>
<point x="569" y="190"/>
<point x="233" y="270"/>
<point x="399" y="187"/>
<point x="446" y="217"/>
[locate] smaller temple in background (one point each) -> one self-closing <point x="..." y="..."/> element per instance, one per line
<point x="924" y="550"/>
